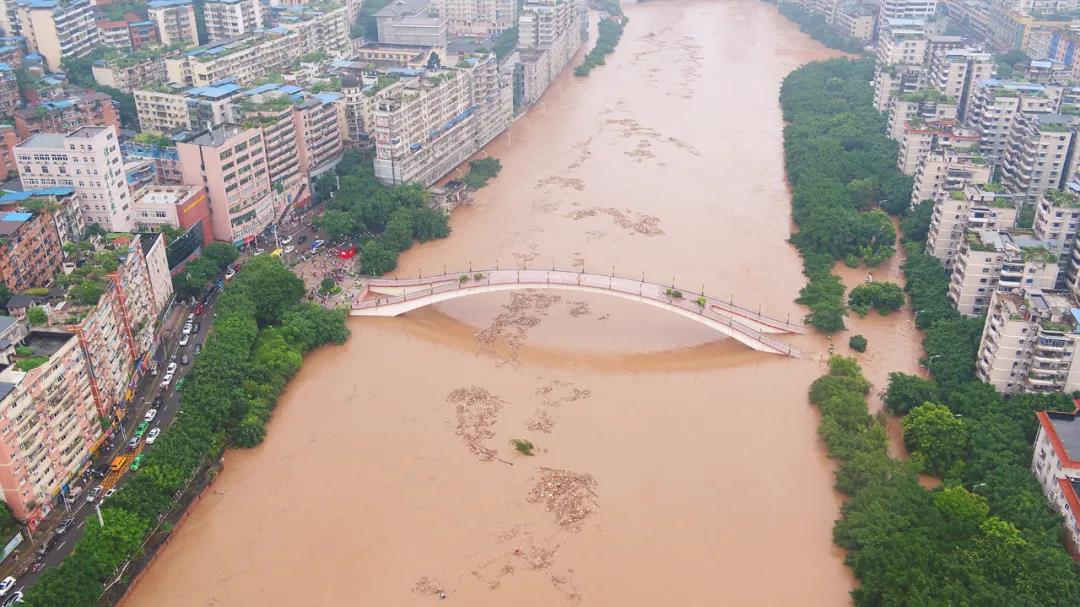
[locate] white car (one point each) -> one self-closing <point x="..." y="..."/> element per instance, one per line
<point x="258" y="252"/>
<point x="108" y="494"/>
<point x="286" y="240"/>
<point x="152" y="435"/>
<point x="230" y="274"/>
<point x="165" y="381"/>
<point x="152" y="413"/>
<point x="187" y="329"/>
<point x="15" y="598"/>
<point x="6" y="585"/>
<point x="289" y="249"/>
<point x="317" y="244"/>
<point x="184" y="340"/>
<point x="170" y="369"/>
<point x="191" y="317"/>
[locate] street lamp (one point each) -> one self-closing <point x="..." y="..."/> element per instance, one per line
<point x="929" y="361"/>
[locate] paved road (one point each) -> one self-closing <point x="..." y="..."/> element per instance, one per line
<point x="150" y="388"/>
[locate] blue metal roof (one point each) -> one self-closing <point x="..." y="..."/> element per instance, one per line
<point x="15" y="216"/>
<point x="215" y="91"/>
<point x="167" y="3"/>
<point x="9" y="197"/>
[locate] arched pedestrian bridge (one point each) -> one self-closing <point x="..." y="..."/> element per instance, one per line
<point x="395" y="296"/>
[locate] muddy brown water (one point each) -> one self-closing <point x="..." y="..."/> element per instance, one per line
<point x="672" y="466"/>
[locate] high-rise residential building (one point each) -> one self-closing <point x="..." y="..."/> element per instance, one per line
<point x="975" y="207"/>
<point x="88" y="108"/>
<point x="901" y="50"/>
<point x="114" y="35"/>
<point x="475" y="17"/>
<point x="428" y="124"/>
<point x="87" y="159"/>
<point x="1055" y="461"/>
<point x="8" y="140"/>
<point x="127" y="73"/>
<point x="317" y="121"/>
<point x="33" y="252"/>
<point x="856" y="21"/>
<point x="1028" y="7"/>
<point x="924" y="105"/>
<point x="549" y="36"/>
<point x="920" y="138"/>
<point x="163" y="110"/>
<point x="10" y="100"/>
<point x="243" y="60"/>
<point x="230" y="162"/>
<point x="227" y="19"/>
<point x="992" y="260"/>
<point x="1037" y="156"/>
<point x="177" y="206"/>
<point x="1057" y="220"/>
<point x="50" y="426"/>
<point x="908" y="9"/>
<point x="274" y="112"/>
<point x="954" y="72"/>
<point x="1028" y="343"/>
<point x="63" y="204"/>
<point x="994" y="104"/>
<point x="57" y="29"/>
<point x="359" y="109"/>
<point x="174" y="20"/>
<point x="947" y="170"/>
<point x="409" y="22"/>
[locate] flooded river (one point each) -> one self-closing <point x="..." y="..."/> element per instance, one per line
<point x="672" y="466"/>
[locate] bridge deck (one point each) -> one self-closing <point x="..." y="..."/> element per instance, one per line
<point x="747" y="323"/>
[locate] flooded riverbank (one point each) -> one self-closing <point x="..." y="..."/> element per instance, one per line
<point x="672" y="465"/>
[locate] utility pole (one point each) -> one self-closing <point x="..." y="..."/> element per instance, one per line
<point x="97" y="508"/>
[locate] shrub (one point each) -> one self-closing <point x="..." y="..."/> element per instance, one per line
<point x="857" y="343"/>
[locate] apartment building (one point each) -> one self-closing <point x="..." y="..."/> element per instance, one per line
<point x="57" y="28"/>
<point x="994" y="104"/>
<point x="992" y="260"/>
<point x="409" y="22"/>
<point x="163" y="109"/>
<point x="358" y="108"/>
<point x="119" y="331"/>
<point x="273" y="109"/>
<point x="230" y="162"/>
<point x="88" y="108"/>
<point x="954" y="72"/>
<point x="1057" y="220"/>
<point x="48" y="426"/>
<point x="1011" y="30"/>
<point x="62" y="204"/>
<point x="907" y="9"/>
<point x="901" y="49"/>
<point x="8" y="141"/>
<point x="975" y="207"/>
<point x="317" y="121"/>
<point x="128" y="73"/>
<point x="475" y="17"/>
<point x="33" y="251"/>
<point x="143" y="34"/>
<point x="920" y="138"/>
<point x="548" y="38"/>
<point x="174" y="20"/>
<point x="243" y="59"/>
<point x="87" y="159"/>
<point x="856" y="22"/>
<point x="227" y="19"/>
<point x="1027" y="344"/>
<point x="428" y="124"/>
<point x="947" y="170"/>
<point x="10" y="99"/>
<point x="177" y="206"/>
<point x="1037" y="156"/>
<point x="324" y="30"/>
<point x="1055" y="462"/>
<point x="164" y="159"/>
<point x="923" y="105"/>
<point x="113" y="34"/>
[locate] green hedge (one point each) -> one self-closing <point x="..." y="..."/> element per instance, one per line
<point x="259" y="336"/>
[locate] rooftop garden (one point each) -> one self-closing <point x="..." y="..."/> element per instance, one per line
<point x="86" y="284"/>
<point x="1056" y="326"/>
<point x="928" y="96"/>
<point x="1061" y="198"/>
<point x="143" y="55"/>
<point x="1001" y="202"/>
<point x="269" y="104"/>
<point x="956" y="195"/>
<point x="154" y="138"/>
<point x="1055" y="127"/>
<point x="381" y="82"/>
<point x="1039" y="255"/>
<point x="993" y="187"/>
<point x="976" y="244"/>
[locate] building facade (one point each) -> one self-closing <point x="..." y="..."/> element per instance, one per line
<point x="174" y="21"/>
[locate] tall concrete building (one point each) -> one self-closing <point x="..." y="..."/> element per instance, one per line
<point x="901" y="51"/>
<point x="317" y="121"/>
<point x="230" y="162"/>
<point x="50" y="424"/>
<point x="943" y="171"/>
<point x="33" y="253"/>
<point x="475" y="17"/>
<point x="428" y="124"/>
<point x="410" y="22"/>
<point x="908" y="9"/>
<point x="87" y="108"/>
<point x="920" y="139"/>
<point x="1055" y="461"/>
<point x="993" y="106"/>
<point x="955" y="72"/>
<point x="992" y="260"/>
<point x="57" y="29"/>
<point x="87" y="159"/>
<point x="174" y="20"/>
<point x="976" y="207"/>
<point x="197" y="108"/>
<point x="227" y="19"/>
<point x="549" y="35"/>
<point x="1037" y="156"/>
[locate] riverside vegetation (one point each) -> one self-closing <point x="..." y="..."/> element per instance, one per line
<point x="842" y="170"/>
<point x="608" y="32"/>
<point x="260" y="334"/>
<point x="985" y="535"/>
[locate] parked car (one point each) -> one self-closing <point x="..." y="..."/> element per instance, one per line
<point x="230" y="274"/>
<point x="13" y="599"/>
<point x="143" y="427"/>
<point x="94" y="493"/>
<point x="198" y="348"/>
<point x="134" y="466"/>
<point x="150" y="438"/>
<point x="187" y="329"/>
<point x="165" y="381"/>
<point x="170" y="369"/>
<point x="289" y="249"/>
<point x="184" y="340"/>
<point x="198" y="309"/>
<point x="190" y="316"/>
<point x="318" y="243"/>
<point x="286" y="240"/>
<point x="151" y="414"/>
<point x="302" y="239"/>
<point x="258" y="252"/>
<point x="180" y="384"/>
<point x="6" y="585"/>
<point x="184" y="360"/>
<point x="64" y="525"/>
<point x="112" y="492"/>
<point x="153" y="368"/>
<point x="195" y="329"/>
<point x="132" y="444"/>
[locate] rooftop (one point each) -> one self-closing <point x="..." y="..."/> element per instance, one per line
<point x="219" y="135"/>
<point x="1064" y="431"/>
<point x="47" y="343"/>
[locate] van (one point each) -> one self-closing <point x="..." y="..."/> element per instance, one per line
<point x="117" y="463"/>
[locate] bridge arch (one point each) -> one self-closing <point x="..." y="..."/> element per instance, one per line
<point x="398" y="296"/>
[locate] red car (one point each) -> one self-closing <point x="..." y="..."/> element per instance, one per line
<point x="198" y="309"/>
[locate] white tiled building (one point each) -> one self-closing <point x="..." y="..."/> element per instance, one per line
<point x="1056" y="465"/>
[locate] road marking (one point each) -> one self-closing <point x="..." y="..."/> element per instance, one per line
<point x="81" y="523"/>
<point x="61" y="545"/>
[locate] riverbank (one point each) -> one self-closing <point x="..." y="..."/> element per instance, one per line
<point x="259" y="335"/>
